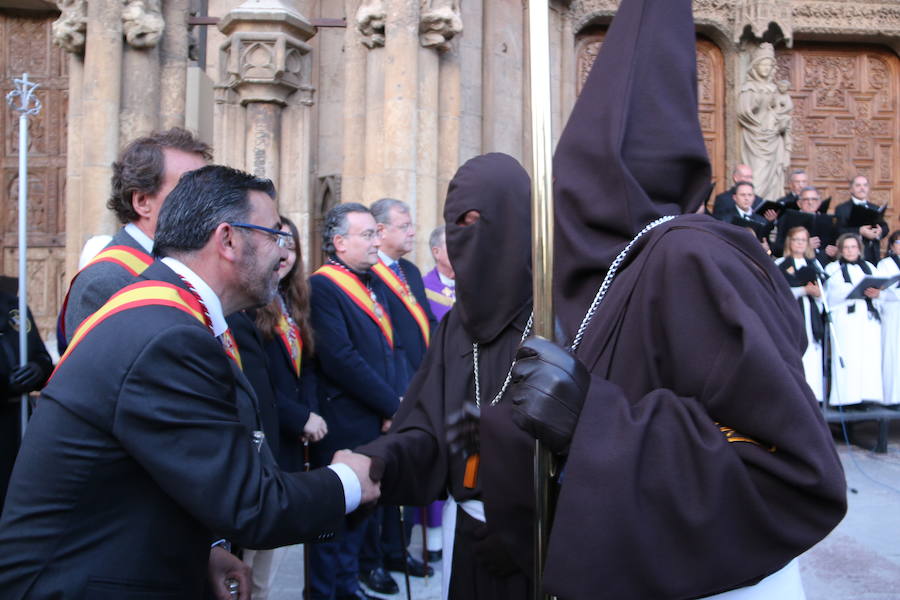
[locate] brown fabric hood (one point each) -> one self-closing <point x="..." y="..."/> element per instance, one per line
<point x="632" y="150"/>
<point x="492" y="257"/>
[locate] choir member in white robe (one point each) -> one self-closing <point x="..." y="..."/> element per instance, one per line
<point x="800" y="269"/>
<point x="890" y="323"/>
<point x="857" y="328"/>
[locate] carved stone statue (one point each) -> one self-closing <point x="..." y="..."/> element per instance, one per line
<point x="764" y="114"/>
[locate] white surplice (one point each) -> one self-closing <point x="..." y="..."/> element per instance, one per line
<point x="858" y="341"/>
<point x="812" y="358"/>
<point x="889" y="304"/>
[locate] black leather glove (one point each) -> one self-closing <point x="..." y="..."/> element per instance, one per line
<point x="462" y="430"/>
<point x="26" y="378"/>
<point x="492" y="553"/>
<point x="548" y="388"/>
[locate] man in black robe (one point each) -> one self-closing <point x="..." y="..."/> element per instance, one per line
<point x="488" y="240"/>
<point x="699" y="462"/>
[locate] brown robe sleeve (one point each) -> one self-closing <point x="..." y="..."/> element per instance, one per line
<point x="701" y="461"/>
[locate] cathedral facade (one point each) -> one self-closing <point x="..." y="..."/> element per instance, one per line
<point x="353" y="100"/>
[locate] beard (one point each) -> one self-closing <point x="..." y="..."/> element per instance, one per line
<point x="259" y="282"/>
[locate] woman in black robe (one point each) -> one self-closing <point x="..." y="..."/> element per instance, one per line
<point x="488" y="241"/>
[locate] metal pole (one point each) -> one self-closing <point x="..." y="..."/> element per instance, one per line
<point x="28" y="105"/>
<point x="23" y="252"/>
<point x="542" y="248"/>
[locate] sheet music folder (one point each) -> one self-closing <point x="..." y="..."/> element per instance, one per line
<point x="871" y="281"/>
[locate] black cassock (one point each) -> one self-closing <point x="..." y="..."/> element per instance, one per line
<point x="493" y="290"/>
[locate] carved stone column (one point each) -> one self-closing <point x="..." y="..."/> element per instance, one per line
<point x="102" y="86"/>
<point x="173" y="58"/>
<point x="142" y="24"/>
<point x="264" y="68"/>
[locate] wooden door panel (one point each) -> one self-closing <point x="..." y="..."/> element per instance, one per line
<point x="846" y="118"/>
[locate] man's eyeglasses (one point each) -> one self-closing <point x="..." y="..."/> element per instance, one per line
<point x="368" y="235"/>
<point x="282" y="238"/>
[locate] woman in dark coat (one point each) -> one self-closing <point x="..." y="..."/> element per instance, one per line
<point x="288" y="339"/>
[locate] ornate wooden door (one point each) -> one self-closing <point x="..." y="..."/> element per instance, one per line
<point x="711" y="95"/>
<point x="846" y="119"/>
<point x="26" y="46"/>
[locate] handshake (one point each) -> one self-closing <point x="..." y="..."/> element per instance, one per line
<point x="368" y="474"/>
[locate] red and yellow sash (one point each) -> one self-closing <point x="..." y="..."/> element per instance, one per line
<point x="289" y="333"/>
<point x="357" y="292"/>
<point x="143" y="293"/>
<point x="229" y="344"/>
<point x="402" y="291"/>
<point x="131" y="259"/>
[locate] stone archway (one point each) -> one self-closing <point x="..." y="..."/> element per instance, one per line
<point x="846" y="118"/>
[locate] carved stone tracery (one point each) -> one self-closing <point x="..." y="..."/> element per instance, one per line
<point x="758" y="15"/>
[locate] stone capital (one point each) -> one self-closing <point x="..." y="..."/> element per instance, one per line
<point x="370" y="17"/>
<point x="264" y="55"/>
<point x="142" y="23"/>
<point x="70" y="29"/>
<point x="439" y="22"/>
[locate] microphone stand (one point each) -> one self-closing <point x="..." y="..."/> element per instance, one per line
<point x="829" y="324"/>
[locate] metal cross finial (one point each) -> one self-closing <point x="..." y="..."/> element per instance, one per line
<point x="29" y="104"/>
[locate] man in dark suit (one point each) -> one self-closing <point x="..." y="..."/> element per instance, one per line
<point x="413" y="323"/>
<point x="797" y="181"/>
<point x="147" y="170"/>
<point x="141" y="452"/>
<point x="742" y="213"/>
<point x="723" y="206"/>
<point x="358" y="384"/>
<point x="871" y="234"/>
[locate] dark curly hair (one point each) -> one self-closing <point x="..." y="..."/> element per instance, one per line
<point x="140" y="167"/>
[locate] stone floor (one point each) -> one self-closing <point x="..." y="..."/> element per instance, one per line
<point x="859" y="560"/>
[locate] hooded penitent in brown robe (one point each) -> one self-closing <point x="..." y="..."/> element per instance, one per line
<point x="492" y="261"/>
<point x="700" y="462"/>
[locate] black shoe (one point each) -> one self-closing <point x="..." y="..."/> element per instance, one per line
<point x="434" y="555"/>
<point x="416" y="567"/>
<point x="359" y="594"/>
<point x="378" y="580"/>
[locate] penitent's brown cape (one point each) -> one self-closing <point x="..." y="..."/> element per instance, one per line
<point x="701" y="461"/>
<point x="492" y="262"/>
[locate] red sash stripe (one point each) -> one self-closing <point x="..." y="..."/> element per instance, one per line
<point x="131" y="259"/>
<point x="402" y="291"/>
<point x="136" y="295"/>
<point x="350" y="284"/>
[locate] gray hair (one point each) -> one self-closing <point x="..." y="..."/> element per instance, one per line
<point x="437" y="236"/>
<point x="809" y="188"/>
<point x="797" y="172"/>
<point x="336" y="223"/>
<point x="381" y="209"/>
<point x="202" y="200"/>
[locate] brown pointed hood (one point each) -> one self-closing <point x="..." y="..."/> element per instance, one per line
<point x="632" y="150"/>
